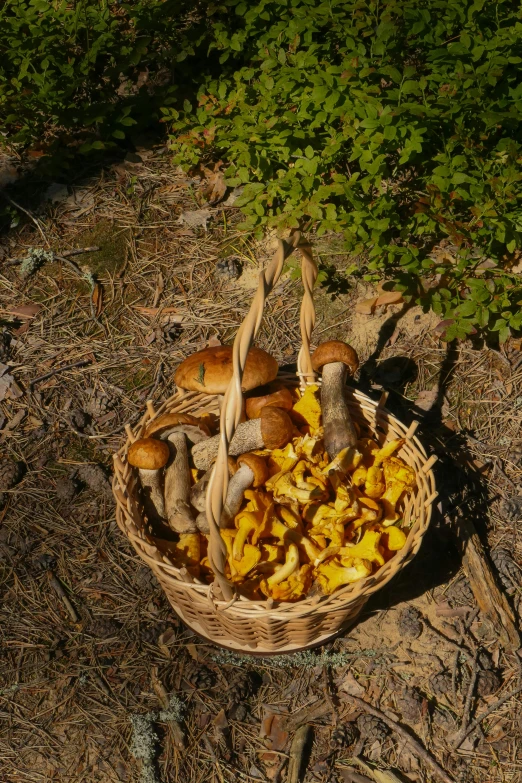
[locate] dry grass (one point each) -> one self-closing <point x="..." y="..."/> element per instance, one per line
<point x="67" y="688"/>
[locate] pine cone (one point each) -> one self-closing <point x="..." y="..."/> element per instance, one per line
<point x="511" y="508"/>
<point x="444" y="720"/>
<point x="372" y="728"/>
<point x="460" y="593"/>
<point x="515" y="452"/>
<point x="5" y="343"/>
<point x="488" y="682"/>
<point x="104" y="627"/>
<point x="10" y="474"/>
<point x="507" y="569"/>
<point x="243" y="686"/>
<point x="204" y="679"/>
<point x="410" y="704"/>
<point x="79" y="419"/>
<point x="99" y="404"/>
<point x="66" y="489"/>
<point x="344" y="735"/>
<point x="410" y="623"/>
<point x="441" y="684"/>
<point x="228" y="268"/>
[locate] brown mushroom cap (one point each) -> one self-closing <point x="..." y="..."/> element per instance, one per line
<point x="276" y="427"/>
<point x="169" y="420"/>
<point x="335" y="351"/>
<point x="148" y="454"/>
<point x="281" y="398"/>
<point x="210" y="370"/>
<point x="257" y="465"/>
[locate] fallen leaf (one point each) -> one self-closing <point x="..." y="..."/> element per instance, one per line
<point x="197" y="217"/>
<point x="350" y="686"/>
<point x="278" y="736"/>
<point x="389" y="297"/>
<point x="427" y="398"/>
<point x="366" y="306"/>
<point x="193" y="651"/>
<point x="233" y="197"/>
<point x="488" y="263"/>
<point x="215" y="188"/>
<point x="213" y="341"/>
<point x="97" y="299"/>
<point x="266" y="725"/>
<point x="25" y="311"/>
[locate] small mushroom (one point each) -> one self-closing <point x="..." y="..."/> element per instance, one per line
<point x="278" y="398"/>
<point x="334" y="358"/>
<point x="272" y="430"/>
<point x="331" y="575"/>
<point x="150" y="456"/>
<point x="399" y="478"/>
<point x="252" y="471"/>
<point x="180" y="515"/>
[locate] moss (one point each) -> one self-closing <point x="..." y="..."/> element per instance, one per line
<point x="111" y="239"/>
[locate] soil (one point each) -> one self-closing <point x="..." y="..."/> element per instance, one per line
<point x="87" y="633"/>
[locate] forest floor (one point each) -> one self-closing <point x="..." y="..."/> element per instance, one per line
<point x="88" y="639"/>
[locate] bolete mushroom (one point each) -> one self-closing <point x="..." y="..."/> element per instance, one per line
<point x="178" y="431"/>
<point x="276" y="398"/>
<point x="272" y="430"/>
<point x="252" y="472"/>
<point x="150" y="456"/>
<point x="163" y="425"/>
<point x="335" y="358"/>
<point x="210" y="370"/>
<point x="198" y="495"/>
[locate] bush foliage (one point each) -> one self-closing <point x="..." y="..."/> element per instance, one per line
<point x="395" y="122"/>
<point x="95" y="65"/>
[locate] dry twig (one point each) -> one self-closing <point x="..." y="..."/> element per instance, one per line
<point x="414" y="744"/>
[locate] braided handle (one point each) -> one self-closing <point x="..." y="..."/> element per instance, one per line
<point x="233" y="400"/>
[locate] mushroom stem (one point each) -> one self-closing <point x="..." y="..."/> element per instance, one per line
<point x="290" y="565"/>
<point x="247" y="437"/>
<point x="241" y="481"/>
<point x="152" y="493"/>
<point x="272" y="430"/>
<point x="180" y="515"/>
<point x="339" y="431"/>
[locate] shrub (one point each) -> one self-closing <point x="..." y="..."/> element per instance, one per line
<point x="396" y="122"/>
<point x="89" y="65"/>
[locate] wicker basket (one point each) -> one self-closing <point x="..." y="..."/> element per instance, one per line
<point x="215" y="612"/>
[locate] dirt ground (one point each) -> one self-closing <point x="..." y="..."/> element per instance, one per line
<point x="89" y="643"/>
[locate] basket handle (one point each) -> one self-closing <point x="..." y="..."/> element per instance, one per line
<point x="233" y="400"/>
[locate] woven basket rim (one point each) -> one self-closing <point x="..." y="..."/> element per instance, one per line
<point x="241" y="605"/>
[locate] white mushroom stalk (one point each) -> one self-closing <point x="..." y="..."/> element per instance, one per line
<point x="335" y="358"/>
<point x="180" y="515"/>
<point x="272" y="430"/>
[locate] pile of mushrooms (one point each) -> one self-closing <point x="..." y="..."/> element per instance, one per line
<point x="311" y="505"/>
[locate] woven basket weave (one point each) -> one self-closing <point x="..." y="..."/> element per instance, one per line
<point x="215" y="611"/>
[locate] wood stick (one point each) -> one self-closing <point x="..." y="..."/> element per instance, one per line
<point x="414" y="744"/>
<point x="58" y="589"/>
<point x="81" y="363"/>
<point x="491" y="600"/>
<point x="297" y="750"/>
<point x="476" y="723"/>
<point x="466" y="713"/>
